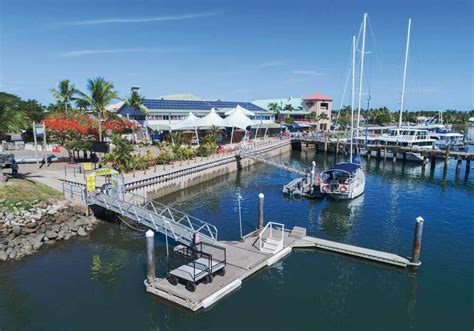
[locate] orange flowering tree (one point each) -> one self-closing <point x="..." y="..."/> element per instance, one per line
<point x="77" y="131"/>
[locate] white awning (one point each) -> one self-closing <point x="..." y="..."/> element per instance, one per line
<point x="238" y="119"/>
<point x="211" y="119"/>
<point x="160" y="127"/>
<point x="242" y="109"/>
<point x="188" y="123"/>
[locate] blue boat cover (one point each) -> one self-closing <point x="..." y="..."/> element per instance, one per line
<point x="349" y="167"/>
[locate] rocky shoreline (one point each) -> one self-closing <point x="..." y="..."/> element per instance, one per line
<point x="27" y="227"/>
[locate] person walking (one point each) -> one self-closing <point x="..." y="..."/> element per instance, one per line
<point x="14" y="167"/>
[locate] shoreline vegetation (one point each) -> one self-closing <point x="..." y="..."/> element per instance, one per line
<point x="33" y="215"/>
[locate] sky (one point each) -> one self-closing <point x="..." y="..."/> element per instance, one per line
<point x="241" y="50"/>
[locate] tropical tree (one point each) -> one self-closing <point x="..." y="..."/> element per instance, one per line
<point x="82" y="104"/>
<point x="100" y="95"/>
<point x="136" y="102"/>
<point x="276" y="108"/>
<point x="10" y="118"/>
<point x="65" y="93"/>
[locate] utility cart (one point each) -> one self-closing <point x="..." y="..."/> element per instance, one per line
<point x="198" y="263"/>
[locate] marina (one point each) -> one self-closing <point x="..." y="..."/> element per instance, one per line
<point x="123" y="255"/>
<point x="186" y="166"/>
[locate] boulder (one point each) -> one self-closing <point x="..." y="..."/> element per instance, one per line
<point x="16" y="230"/>
<point x="51" y="235"/>
<point x="81" y="232"/>
<point x="3" y="255"/>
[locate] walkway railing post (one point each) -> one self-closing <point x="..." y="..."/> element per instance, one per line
<point x="261" y="197"/>
<point x="417" y="240"/>
<point x="150" y="256"/>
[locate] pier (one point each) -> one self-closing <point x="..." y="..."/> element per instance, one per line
<point x="259" y="249"/>
<point x="384" y="153"/>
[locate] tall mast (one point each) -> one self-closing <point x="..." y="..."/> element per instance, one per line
<point x="353" y="91"/>
<point x="361" y="72"/>
<point x="405" y="73"/>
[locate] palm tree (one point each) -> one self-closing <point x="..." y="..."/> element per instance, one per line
<point x="101" y="94"/>
<point x="136" y="102"/>
<point x="64" y="93"/>
<point x="82" y="104"/>
<point x="276" y="108"/>
<point x="288" y="108"/>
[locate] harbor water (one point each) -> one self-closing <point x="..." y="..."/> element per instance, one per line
<point x="96" y="282"/>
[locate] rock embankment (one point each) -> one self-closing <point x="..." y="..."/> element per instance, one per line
<point x="26" y="227"/>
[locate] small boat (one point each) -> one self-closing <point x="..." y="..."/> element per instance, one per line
<point x="307" y="186"/>
<point x="343" y="181"/>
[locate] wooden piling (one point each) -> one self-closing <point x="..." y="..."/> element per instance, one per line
<point x="150" y="255"/>
<point x="415" y="258"/>
<point x="458" y="166"/>
<point x="325" y="144"/>
<point x="446" y="157"/>
<point x="468" y="168"/>
<point x="378" y="154"/>
<point x="385" y="154"/>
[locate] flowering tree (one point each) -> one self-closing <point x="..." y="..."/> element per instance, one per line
<point x="77" y="131"/>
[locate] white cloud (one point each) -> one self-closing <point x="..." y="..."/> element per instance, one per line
<point x="271" y="64"/>
<point x="143" y="19"/>
<point x="84" y="52"/>
<point x="306" y="72"/>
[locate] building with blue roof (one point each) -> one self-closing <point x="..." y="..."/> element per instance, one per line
<point x="167" y="110"/>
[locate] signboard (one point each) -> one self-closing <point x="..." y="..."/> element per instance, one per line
<point x="87" y="166"/>
<point x="100" y="146"/>
<point x="90" y="183"/>
<point x="105" y="171"/>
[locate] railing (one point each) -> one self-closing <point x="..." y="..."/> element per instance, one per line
<point x="161" y="218"/>
<point x="269" y="227"/>
<point x="73" y="191"/>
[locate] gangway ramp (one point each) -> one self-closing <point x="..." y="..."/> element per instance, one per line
<point x="281" y="164"/>
<point x="161" y="218"/>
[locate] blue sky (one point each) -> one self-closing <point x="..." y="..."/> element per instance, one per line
<point x="240" y="50"/>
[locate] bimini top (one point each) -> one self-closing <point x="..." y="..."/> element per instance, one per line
<point x="348" y="167"/>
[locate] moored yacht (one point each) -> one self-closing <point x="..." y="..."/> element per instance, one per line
<point x="343" y="181"/>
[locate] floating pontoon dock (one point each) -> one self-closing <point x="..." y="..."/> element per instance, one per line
<point x="255" y="251"/>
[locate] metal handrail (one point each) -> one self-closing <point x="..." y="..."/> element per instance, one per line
<point x="270" y="225"/>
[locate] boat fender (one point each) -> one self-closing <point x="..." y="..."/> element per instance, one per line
<point x="325" y="188"/>
<point x="343" y="188"/>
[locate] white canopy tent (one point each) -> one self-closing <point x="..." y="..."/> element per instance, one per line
<point x="188" y="123"/>
<point x="211" y="119"/>
<point x="237" y="119"/>
<point x="241" y="109"/>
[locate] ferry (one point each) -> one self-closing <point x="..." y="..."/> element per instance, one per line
<point x="444" y="137"/>
<point x="404" y="137"/>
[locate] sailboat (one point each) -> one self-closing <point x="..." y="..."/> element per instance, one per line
<point x="406" y="136"/>
<point x="346" y="180"/>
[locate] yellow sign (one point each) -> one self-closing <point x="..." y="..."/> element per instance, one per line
<point x="90" y="183"/>
<point x="87" y="166"/>
<point x="104" y="171"/>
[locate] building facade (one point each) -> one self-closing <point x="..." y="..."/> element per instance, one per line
<point x="159" y="114"/>
<point x="313" y="111"/>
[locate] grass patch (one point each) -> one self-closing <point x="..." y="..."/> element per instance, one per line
<point x="20" y="192"/>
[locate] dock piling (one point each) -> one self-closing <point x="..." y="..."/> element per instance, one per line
<point x="417" y="240"/>
<point x="150" y="256"/>
<point x="261" y="197"/>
